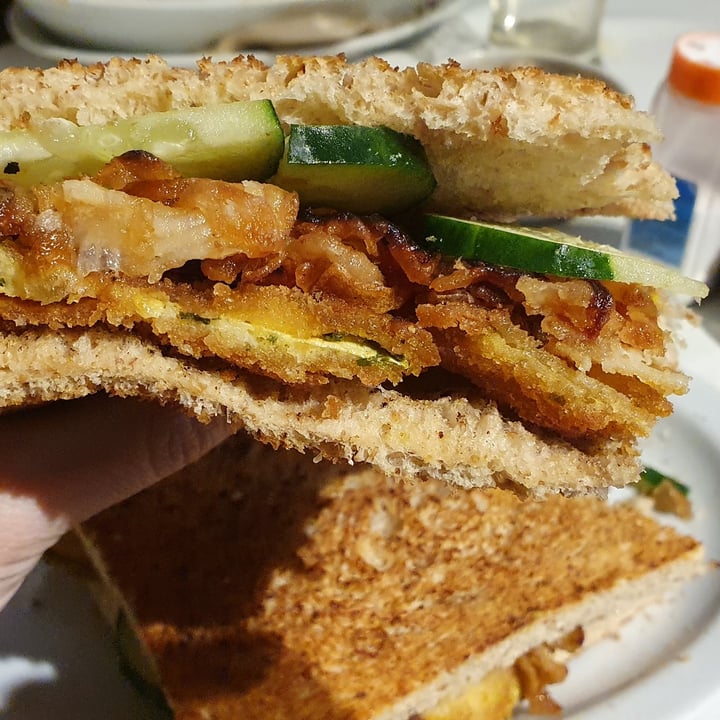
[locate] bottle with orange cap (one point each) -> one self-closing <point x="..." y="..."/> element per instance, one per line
<point x="687" y="110"/>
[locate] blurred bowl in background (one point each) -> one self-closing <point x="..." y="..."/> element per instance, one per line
<point x="157" y="26"/>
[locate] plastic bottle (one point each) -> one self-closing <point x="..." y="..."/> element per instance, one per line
<point x="687" y="110"/>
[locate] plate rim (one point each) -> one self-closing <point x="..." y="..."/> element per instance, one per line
<point x="29" y="35"/>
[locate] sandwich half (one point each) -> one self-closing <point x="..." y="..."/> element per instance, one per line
<point x="307" y="249"/>
<point x="259" y="584"/>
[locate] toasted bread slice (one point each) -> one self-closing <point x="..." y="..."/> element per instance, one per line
<point x="462" y="441"/>
<point x="263" y="585"/>
<point x="501" y="143"/>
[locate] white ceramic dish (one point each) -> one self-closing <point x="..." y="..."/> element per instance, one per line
<point x="34" y="38"/>
<point x="184" y="25"/>
<point x="57" y="659"/>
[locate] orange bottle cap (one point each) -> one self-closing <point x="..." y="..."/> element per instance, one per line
<point x="695" y="67"/>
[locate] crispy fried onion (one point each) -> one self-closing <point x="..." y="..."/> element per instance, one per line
<point x="607" y="328"/>
<point x="541" y="667"/>
<point x="585" y="359"/>
<point x="186" y="218"/>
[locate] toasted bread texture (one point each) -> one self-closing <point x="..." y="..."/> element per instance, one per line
<point x="462" y="441"/>
<point x="268" y="586"/>
<point x="501" y="143"/>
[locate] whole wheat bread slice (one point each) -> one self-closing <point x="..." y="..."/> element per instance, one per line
<point x="501" y="143"/>
<point x="266" y="586"/>
<point x="462" y="441"/>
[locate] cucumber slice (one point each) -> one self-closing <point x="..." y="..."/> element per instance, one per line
<point x="231" y="141"/>
<point x="551" y="252"/>
<point x="355" y="168"/>
<point x="651" y="479"/>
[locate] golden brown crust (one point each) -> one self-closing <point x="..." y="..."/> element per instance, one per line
<point x="267" y="586"/>
<point x="502" y="143"/>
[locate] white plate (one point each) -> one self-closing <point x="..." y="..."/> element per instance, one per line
<point x="55" y="653"/>
<point x="664" y="666"/>
<point x="35" y="39"/>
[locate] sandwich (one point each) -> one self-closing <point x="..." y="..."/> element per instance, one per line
<point x="323" y="252"/>
<point x="260" y="584"/>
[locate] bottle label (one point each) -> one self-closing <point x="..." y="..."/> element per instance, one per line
<point x="666" y="240"/>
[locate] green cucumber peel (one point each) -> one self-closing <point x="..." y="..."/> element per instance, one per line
<point x="551" y="252"/>
<point x="139" y="669"/>
<point x="650" y="479"/>
<point x="355" y="168"/>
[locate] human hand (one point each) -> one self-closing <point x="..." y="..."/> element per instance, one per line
<point x="64" y="462"/>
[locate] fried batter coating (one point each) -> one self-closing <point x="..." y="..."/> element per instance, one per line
<point x="630" y="341"/>
<point x="302" y="298"/>
<point x="515" y="370"/>
<point x="277" y="331"/>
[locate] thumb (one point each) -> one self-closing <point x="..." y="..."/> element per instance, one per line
<point x="64" y="462"/>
